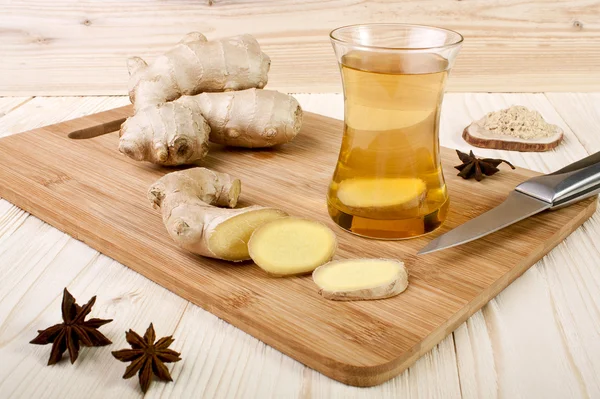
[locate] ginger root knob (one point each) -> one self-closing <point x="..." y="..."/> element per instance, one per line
<point x="187" y="202"/>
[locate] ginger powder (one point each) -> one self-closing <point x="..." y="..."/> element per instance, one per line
<point x="518" y="121"/>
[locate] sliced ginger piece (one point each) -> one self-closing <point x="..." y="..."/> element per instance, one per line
<point x="382" y="193"/>
<point x="290" y="246"/>
<point x="229" y="239"/>
<point x="361" y="279"/>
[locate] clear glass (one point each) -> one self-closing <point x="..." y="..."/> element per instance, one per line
<point x="388" y="182"/>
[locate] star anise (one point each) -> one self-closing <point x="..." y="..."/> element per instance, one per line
<point x="75" y="331"/>
<point x="147" y="357"/>
<point x="476" y="167"/>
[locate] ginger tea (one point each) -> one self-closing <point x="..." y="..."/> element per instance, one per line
<point x="388" y="182"/>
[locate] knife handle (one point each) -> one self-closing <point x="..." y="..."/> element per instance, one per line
<point x="568" y="185"/>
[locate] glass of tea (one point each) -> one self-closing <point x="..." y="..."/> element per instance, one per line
<point x="388" y="181"/>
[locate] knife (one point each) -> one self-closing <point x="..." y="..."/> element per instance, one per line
<point x="566" y="186"/>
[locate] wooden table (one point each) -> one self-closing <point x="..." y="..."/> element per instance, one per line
<point x="540" y="338"/>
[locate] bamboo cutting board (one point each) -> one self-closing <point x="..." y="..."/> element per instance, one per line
<point x="90" y="191"/>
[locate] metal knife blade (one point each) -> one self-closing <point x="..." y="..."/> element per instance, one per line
<point x="517" y="206"/>
<point x="566" y="186"/>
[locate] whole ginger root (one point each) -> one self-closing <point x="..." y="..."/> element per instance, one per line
<point x="165" y="134"/>
<point x="196" y="65"/>
<point x="187" y="201"/>
<point x="249" y="118"/>
<point x="173" y="124"/>
<point x="175" y="133"/>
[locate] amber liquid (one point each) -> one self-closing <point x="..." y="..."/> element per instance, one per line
<point x="392" y="110"/>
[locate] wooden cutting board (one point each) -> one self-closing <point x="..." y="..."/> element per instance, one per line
<point x="90" y="191"/>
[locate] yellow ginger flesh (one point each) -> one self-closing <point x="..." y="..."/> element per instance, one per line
<point x="290" y="246"/>
<point x="230" y="238"/>
<point x="356" y="279"/>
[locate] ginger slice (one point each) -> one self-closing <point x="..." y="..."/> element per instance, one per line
<point x="381" y="193"/>
<point x="291" y="246"/>
<point x="229" y="238"/>
<point x="361" y="279"/>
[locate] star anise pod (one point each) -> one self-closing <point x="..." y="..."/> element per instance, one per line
<point x="476" y="167"/>
<point x="73" y="332"/>
<point x="147" y="357"/>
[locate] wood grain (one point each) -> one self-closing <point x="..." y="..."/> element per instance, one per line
<point x="581" y="111"/>
<point x="504" y="350"/>
<point x="98" y="196"/>
<point x="220" y="360"/>
<point x="67" y="47"/>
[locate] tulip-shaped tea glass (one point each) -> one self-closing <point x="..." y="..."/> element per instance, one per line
<point x="388" y="181"/>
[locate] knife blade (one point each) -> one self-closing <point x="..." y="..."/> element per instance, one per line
<point x="564" y="187"/>
<point x="516" y="207"/>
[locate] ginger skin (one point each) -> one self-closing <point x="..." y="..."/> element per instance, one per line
<point x="186" y="200"/>
<point x="196" y="65"/>
<point x="165" y="134"/>
<point x="249" y="118"/>
<point x="176" y="133"/>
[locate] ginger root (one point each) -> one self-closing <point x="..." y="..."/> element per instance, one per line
<point x="186" y="200"/>
<point x="359" y="279"/>
<point x="249" y="118"/>
<point x="290" y="246"/>
<point x="176" y="133"/>
<point x="196" y="65"/>
<point x="165" y="134"/>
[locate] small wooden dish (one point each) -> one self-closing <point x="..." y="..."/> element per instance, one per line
<point x="478" y="136"/>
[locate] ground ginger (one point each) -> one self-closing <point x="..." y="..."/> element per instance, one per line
<point x="518" y="121"/>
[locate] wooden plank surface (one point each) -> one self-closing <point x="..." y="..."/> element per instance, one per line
<point x="90" y="191"/>
<point x="582" y="112"/>
<point x="512" y="45"/>
<point x="219" y="360"/>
